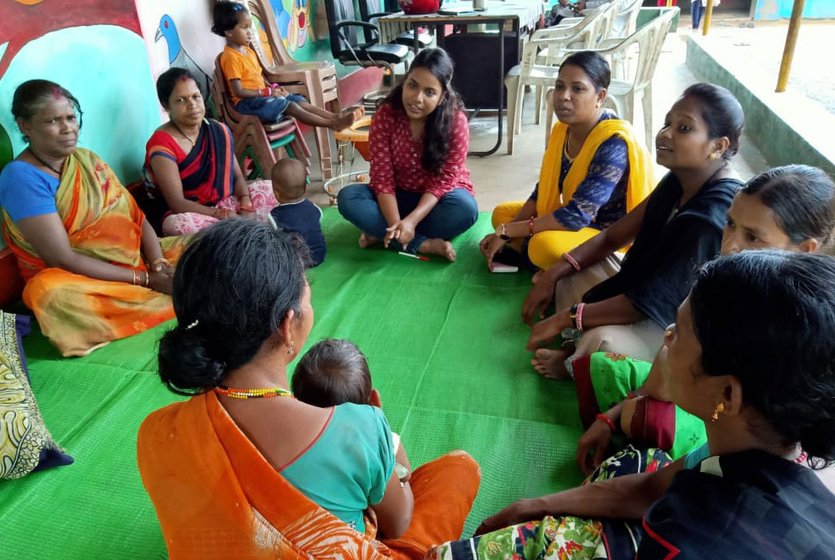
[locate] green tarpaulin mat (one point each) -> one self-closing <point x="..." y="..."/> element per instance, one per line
<point x="445" y="344"/>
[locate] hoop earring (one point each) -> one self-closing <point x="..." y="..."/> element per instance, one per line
<point x="720" y="408"/>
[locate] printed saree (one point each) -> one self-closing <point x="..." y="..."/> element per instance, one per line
<point x="641" y="175"/>
<point x="565" y="537"/>
<point x="604" y="379"/>
<point x="207" y="171"/>
<point x="77" y="313"/>
<point x="217" y="497"/>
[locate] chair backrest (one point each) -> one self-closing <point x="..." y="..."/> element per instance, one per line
<point x="219" y="94"/>
<point x="648" y="59"/>
<point x="626" y="16"/>
<point x="556" y="39"/>
<point x="268" y="44"/>
<point x="370" y="11"/>
<point x="223" y="99"/>
<point x="337" y="12"/>
<point x="603" y="24"/>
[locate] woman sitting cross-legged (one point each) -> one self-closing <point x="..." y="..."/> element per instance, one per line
<point x="191" y="161"/>
<point x="594" y="171"/>
<point x="601" y="305"/>
<point x="790" y="208"/>
<point x="420" y="194"/>
<point x="752" y="353"/>
<point x="244" y="470"/>
<point x="95" y="271"/>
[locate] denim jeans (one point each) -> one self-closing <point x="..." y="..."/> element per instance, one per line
<point x="268" y="109"/>
<point x="454" y="214"/>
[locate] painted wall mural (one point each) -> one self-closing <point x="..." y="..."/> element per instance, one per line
<point x="178" y="33"/>
<point x="34" y="18"/>
<point x="95" y="50"/>
<point x="177" y="55"/>
<point x="293" y="19"/>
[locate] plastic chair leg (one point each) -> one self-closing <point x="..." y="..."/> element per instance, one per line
<point x="539" y="94"/>
<point x="646" y="102"/>
<point x="511" y="85"/>
<point x="321" y="134"/>
<point x="549" y="115"/>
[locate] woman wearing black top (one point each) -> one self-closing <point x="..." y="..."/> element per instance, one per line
<point x="624" y="308"/>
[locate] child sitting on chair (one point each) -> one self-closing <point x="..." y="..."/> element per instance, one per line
<point x="294" y="212"/>
<point x="333" y="372"/>
<point x="250" y="93"/>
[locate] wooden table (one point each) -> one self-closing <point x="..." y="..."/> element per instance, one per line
<point x="514" y="16"/>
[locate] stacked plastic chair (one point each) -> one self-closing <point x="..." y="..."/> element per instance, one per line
<point x="260" y="141"/>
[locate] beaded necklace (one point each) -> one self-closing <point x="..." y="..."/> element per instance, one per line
<point x="268" y="393"/>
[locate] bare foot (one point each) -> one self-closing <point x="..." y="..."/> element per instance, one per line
<point x="550" y="363"/>
<point x="440" y="247"/>
<point x="367" y="241"/>
<point x="343" y="121"/>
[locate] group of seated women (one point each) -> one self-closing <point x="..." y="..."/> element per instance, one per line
<point x="720" y="368"/>
<point x="94" y="268"/>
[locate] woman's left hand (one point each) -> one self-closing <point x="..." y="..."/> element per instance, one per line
<point x="491" y="245"/>
<point x="545" y="331"/>
<point x="403" y="231"/>
<point x="517" y="512"/>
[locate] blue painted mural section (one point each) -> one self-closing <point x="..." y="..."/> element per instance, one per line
<point x="782" y="9"/>
<point x="107" y="69"/>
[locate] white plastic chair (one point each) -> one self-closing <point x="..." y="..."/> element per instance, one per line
<point x="599" y="29"/>
<point x="529" y="73"/>
<point x="626" y="17"/>
<point x="648" y="40"/>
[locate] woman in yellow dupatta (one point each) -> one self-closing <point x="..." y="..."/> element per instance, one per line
<point x="594" y="171"/>
<point x="244" y="470"/>
<point x="94" y="269"/>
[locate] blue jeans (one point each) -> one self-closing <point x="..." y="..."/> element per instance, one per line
<point x="268" y="109"/>
<point x="454" y="214"/>
<point x="696" y="11"/>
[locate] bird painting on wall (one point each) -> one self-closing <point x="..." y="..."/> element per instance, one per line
<point x="177" y="55"/>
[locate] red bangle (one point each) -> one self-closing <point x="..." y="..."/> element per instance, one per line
<point x="267" y="92"/>
<point x="579" y="317"/>
<point x="608" y="421"/>
<point x="530" y="226"/>
<point x="572" y="261"/>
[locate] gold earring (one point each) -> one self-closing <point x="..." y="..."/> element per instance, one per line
<point x="713" y="156"/>
<point x="290" y="347"/>
<point x="720" y="408"/>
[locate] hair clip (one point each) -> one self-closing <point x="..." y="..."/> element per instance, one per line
<point x="236" y="7"/>
<point x="193" y="324"/>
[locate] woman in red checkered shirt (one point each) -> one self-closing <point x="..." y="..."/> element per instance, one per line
<point x="420" y="195"/>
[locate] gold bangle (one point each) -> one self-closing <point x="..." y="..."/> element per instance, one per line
<point x="147" y="279"/>
<point x="134" y="281"/>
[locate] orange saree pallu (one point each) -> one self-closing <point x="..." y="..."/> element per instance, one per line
<point x="77" y="313"/>
<point x="217" y="497"/>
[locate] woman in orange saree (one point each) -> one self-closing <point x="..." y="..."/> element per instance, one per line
<point x="94" y="269"/>
<point x="244" y="470"/>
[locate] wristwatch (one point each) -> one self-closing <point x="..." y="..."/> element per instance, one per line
<point x="502" y="233"/>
